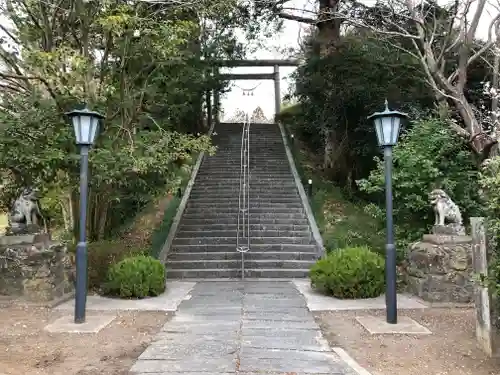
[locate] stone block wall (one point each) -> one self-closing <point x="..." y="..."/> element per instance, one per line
<point x="439" y="269"/>
<point x="39" y="272"/>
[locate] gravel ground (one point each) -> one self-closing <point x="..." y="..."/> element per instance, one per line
<point x="26" y="349"/>
<point x="451" y="349"/>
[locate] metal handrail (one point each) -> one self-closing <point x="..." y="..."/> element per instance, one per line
<point x="243" y="240"/>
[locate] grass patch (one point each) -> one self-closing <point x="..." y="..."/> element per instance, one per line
<point x="341" y="222"/>
<point x="161" y="233"/>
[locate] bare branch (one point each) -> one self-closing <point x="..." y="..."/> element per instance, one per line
<point x="293" y="17"/>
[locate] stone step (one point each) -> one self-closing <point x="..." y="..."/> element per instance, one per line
<point x="236" y="273"/>
<point x="253" y="227"/>
<point x="215" y="200"/>
<point x="260" y="182"/>
<point x="200" y="198"/>
<point x="202" y="220"/>
<point x="290" y="194"/>
<point x="271" y="161"/>
<point x="259" y="188"/>
<point x="206" y="241"/>
<point x="253" y="210"/>
<point x="253" y="203"/>
<point x="251" y="255"/>
<point x="235" y="167"/>
<point x="233" y="264"/>
<point x="234" y="191"/>
<point x="255" y="217"/>
<point x="232" y="233"/>
<point x="253" y="181"/>
<point x="301" y="248"/>
<point x="263" y="175"/>
<point x="234" y="161"/>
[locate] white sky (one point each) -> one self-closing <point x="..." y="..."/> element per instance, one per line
<point x="290" y="37"/>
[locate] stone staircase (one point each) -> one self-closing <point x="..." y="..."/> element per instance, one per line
<point x="281" y="243"/>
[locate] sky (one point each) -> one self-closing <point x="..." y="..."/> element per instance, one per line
<point x="290" y="37"/>
<point x="264" y="94"/>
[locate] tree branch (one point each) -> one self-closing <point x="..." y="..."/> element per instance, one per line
<point x="292" y="17"/>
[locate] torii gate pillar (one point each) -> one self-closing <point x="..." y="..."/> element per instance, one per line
<point x="277" y="92"/>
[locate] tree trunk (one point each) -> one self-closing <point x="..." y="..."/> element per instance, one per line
<point x="329" y="148"/>
<point x="328" y="27"/>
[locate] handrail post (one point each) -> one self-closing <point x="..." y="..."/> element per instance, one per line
<point x="244" y="195"/>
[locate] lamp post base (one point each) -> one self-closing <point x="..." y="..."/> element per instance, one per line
<point x="81" y="282"/>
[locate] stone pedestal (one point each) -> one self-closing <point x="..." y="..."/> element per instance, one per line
<point x="34" y="268"/>
<point x="439" y="268"/>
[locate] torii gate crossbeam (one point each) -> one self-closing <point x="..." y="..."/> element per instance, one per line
<point x="275" y="76"/>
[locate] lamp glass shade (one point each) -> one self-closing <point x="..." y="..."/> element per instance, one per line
<point x="85" y="125"/>
<point x="387" y="128"/>
<point x="85" y="129"/>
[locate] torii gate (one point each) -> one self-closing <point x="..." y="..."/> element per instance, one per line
<point x="213" y="115"/>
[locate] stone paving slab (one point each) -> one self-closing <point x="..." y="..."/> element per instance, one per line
<point x="286" y="361"/>
<point x="185" y="351"/>
<point x="378" y="325"/>
<point x="92" y="324"/>
<point x="280" y="332"/>
<point x="288" y="343"/>
<point x="241" y="328"/>
<point x="320" y="302"/>
<point x="175" y="293"/>
<point x="308" y="324"/>
<point x="192" y="364"/>
<point x="278" y="316"/>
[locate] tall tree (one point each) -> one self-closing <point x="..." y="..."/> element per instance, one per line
<point x="137" y="63"/>
<point x="444" y="40"/>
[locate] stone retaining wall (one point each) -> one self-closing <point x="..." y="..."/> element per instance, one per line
<point x="439" y="269"/>
<point x="39" y="272"/>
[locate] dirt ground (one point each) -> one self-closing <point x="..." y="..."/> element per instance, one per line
<point x="26" y="349"/>
<point x="451" y="349"/>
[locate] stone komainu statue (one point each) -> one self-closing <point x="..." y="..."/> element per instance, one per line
<point x="25" y="215"/>
<point x="445" y="210"/>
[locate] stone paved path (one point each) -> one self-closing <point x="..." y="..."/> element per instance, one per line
<point x="241" y="328"/>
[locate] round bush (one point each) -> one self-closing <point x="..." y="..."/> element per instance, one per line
<point x="355" y="272"/>
<point x="138" y="276"/>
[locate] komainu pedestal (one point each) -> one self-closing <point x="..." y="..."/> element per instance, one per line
<point x="34" y="268"/>
<point x="439" y="268"/>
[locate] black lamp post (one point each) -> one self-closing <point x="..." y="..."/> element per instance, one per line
<point x="387" y="125"/>
<point x="86" y="124"/>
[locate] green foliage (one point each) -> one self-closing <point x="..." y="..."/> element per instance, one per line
<point x="101" y="256"/>
<point x="341" y="222"/>
<point x="161" y="233"/>
<point x="335" y="98"/>
<point x="354" y="272"/>
<point x="139" y="65"/>
<point x="429" y="156"/>
<point x="136" y="277"/>
<point x="490" y="185"/>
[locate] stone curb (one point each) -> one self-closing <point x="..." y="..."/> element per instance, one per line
<point x="355" y="366"/>
<point x="303" y="196"/>
<point x="182" y="206"/>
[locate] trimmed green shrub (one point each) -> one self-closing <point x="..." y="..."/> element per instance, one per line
<point x="102" y="255"/>
<point x="136" y="277"/>
<point x="353" y="272"/>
